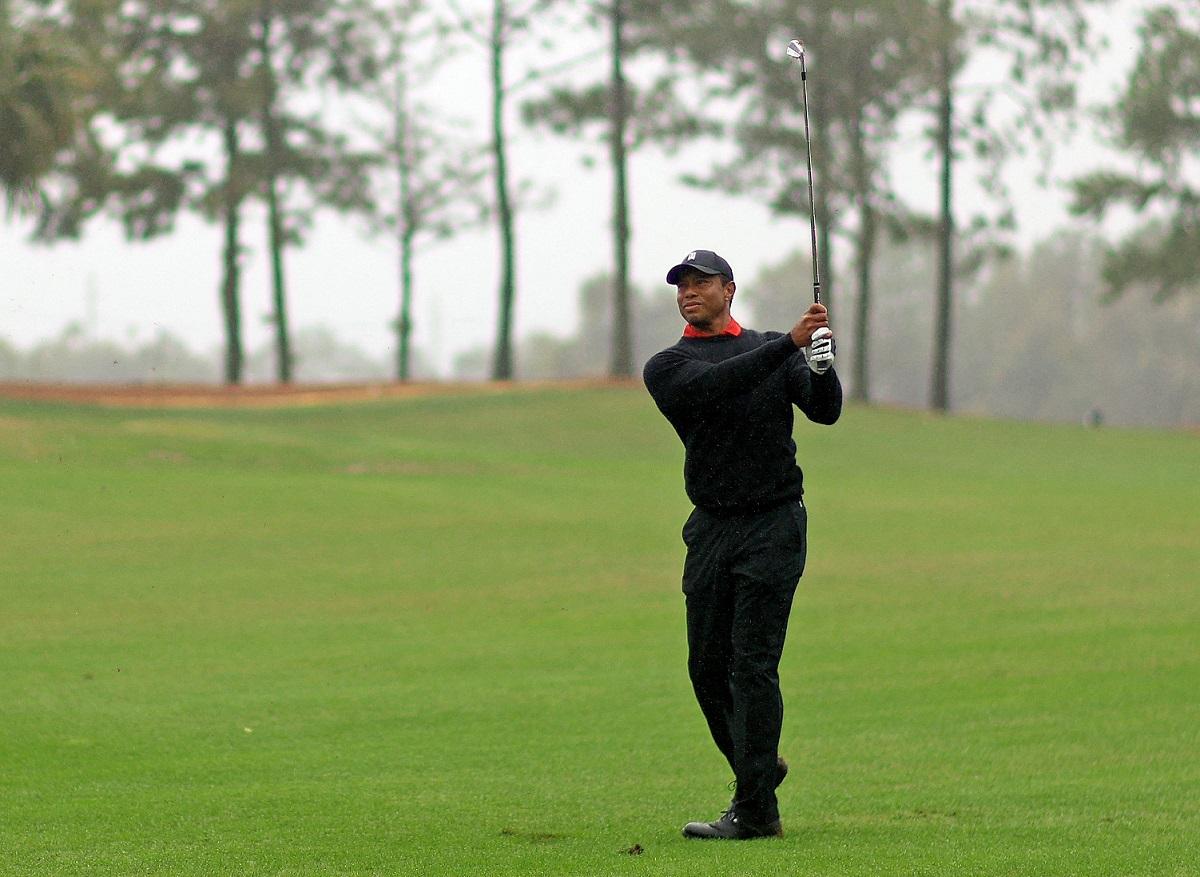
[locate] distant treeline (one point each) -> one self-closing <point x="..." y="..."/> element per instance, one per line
<point x="1035" y="342"/>
<point x="76" y="356"/>
<point x="143" y="112"/>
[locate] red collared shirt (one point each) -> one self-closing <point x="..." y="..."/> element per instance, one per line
<point x="733" y="328"/>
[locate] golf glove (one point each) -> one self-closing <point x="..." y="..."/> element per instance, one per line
<point x="819" y="352"/>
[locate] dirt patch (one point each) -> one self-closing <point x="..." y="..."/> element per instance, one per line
<point x="266" y="395"/>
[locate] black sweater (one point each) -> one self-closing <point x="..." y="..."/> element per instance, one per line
<point x="730" y="399"/>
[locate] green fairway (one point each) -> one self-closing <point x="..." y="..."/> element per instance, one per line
<point x="444" y="636"/>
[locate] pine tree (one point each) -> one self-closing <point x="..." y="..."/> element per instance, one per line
<point x="1157" y="120"/>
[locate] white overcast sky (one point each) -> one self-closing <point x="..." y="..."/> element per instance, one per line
<point x="346" y="281"/>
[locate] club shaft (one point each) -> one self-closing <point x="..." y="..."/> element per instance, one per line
<point x="812" y="208"/>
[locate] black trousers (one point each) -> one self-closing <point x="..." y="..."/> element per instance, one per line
<point x="739" y="578"/>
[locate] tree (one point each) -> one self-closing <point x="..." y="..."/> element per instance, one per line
<point x="948" y="62"/>
<point x="864" y="71"/>
<point x="184" y="70"/>
<point x="610" y="104"/>
<point x="502" y="366"/>
<point x="42" y="82"/>
<point x="618" y="115"/>
<point x="507" y="22"/>
<point x="1157" y="119"/>
<point x="191" y="75"/>
<point x="273" y="145"/>
<point x="629" y="118"/>
<point x="884" y="78"/>
<point x="224" y="103"/>
<point x="433" y="175"/>
<point x="301" y="44"/>
<point x="1041" y="40"/>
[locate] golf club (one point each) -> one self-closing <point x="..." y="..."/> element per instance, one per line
<point x="795" y="49"/>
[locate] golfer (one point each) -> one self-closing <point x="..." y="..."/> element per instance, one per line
<point x="728" y="392"/>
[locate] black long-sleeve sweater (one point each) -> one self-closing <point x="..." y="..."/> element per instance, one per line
<point x="730" y="399"/>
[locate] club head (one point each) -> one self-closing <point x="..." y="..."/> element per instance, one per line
<point x="795" y="49"/>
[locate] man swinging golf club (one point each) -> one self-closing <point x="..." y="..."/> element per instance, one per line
<point x="728" y="392"/>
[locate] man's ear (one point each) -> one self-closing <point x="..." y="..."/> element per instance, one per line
<point x="730" y="289"/>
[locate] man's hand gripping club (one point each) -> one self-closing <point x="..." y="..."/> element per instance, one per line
<point x="813" y="335"/>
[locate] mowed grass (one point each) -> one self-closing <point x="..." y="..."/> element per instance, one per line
<point x="445" y="636"/>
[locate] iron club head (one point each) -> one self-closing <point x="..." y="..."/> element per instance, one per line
<point x="795" y="49"/>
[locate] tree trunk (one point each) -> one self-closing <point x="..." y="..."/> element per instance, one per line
<point x="404" y="324"/>
<point x="406" y="231"/>
<point x="866" y="252"/>
<point x="230" y="307"/>
<point x="282" y="339"/>
<point x="275" y="220"/>
<point x="622" y="339"/>
<point x="502" y="367"/>
<point x="940" y="379"/>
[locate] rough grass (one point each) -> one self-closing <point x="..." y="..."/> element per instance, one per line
<point x="445" y="636"/>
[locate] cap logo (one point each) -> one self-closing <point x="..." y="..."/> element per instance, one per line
<point x="691" y="257"/>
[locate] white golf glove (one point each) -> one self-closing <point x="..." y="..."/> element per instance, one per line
<point x="819" y="352"/>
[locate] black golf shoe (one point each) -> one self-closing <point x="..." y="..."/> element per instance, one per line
<point x="730" y="827"/>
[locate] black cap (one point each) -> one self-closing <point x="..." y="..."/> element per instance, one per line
<point x="705" y="261"/>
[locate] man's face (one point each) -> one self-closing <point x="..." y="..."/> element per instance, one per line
<point x="702" y="298"/>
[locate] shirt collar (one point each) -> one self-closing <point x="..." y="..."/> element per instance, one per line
<point x="690" y="331"/>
